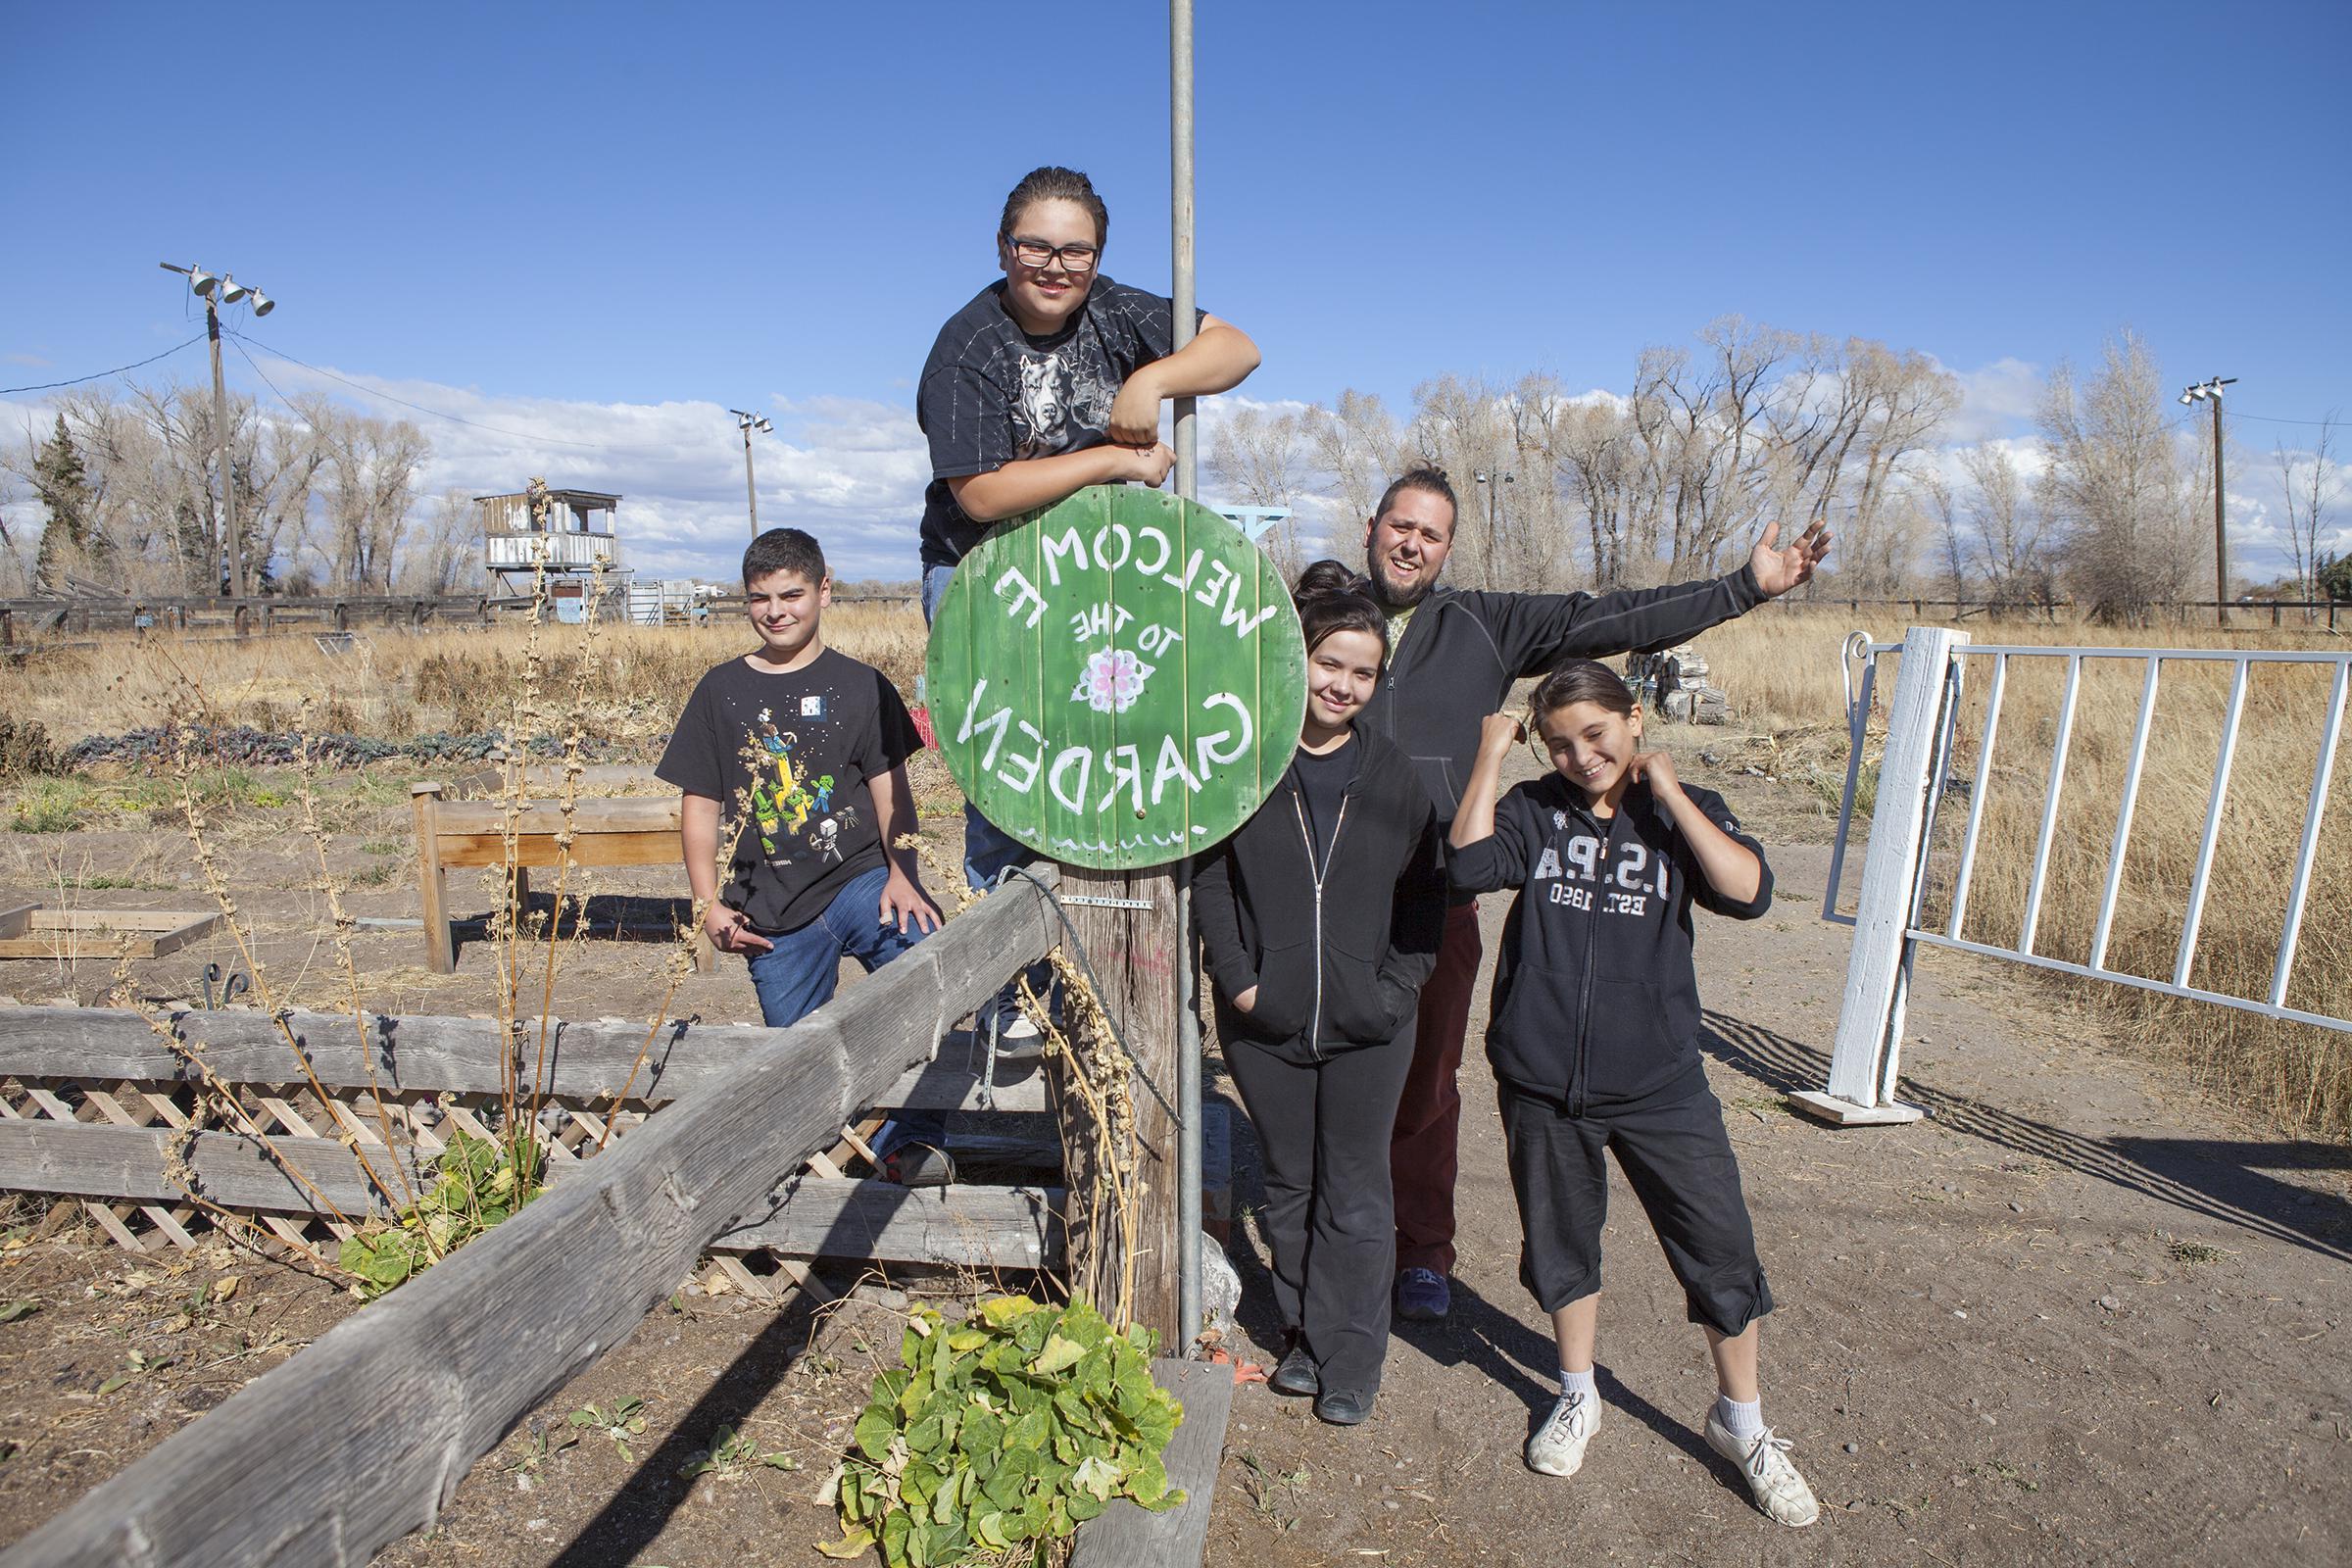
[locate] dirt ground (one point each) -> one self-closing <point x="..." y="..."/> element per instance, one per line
<point x="2076" y="1316"/>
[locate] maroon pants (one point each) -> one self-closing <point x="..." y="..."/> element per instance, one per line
<point x="1422" y="1151"/>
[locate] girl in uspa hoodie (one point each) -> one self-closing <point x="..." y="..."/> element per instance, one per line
<point x="1595" y="1045"/>
<point x="1322" y="917"/>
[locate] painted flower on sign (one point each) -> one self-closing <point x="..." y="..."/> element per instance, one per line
<point x="1112" y="681"/>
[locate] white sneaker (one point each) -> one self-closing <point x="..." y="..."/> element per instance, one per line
<point x="1771" y="1480"/>
<point x="1558" y="1446"/>
<point x="1018" y="1039"/>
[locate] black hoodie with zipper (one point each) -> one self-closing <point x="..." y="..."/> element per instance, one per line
<point x="1338" y="952"/>
<point x="1457" y="656"/>
<point x="1595" y="998"/>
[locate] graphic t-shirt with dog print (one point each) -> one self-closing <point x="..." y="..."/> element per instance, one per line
<point x="800" y="745"/>
<point x="991" y="394"/>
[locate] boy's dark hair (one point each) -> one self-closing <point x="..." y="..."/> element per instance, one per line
<point x="1331" y="598"/>
<point x="785" y="550"/>
<point x="1582" y="680"/>
<point x="1428" y="478"/>
<point x="1053" y="182"/>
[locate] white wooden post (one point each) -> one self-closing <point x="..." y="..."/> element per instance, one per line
<point x="1866" y="1060"/>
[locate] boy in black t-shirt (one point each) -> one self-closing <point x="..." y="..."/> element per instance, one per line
<point x="818" y="743"/>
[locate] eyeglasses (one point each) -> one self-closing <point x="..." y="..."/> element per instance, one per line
<point x="1039" y="255"/>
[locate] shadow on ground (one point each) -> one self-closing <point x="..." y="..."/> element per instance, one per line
<point x="2220" y="1179"/>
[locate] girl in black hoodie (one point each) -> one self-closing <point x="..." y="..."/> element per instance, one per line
<point x="1322" y="917"/>
<point x="1595" y="1044"/>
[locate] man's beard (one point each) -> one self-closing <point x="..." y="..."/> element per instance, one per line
<point x="1390" y="595"/>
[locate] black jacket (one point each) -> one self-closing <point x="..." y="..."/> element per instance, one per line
<point x="1463" y="648"/>
<point x="1595" y="998"/>
<point x="1342" y="964"/>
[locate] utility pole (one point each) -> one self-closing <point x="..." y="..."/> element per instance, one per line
<point x="2211" y="391"/>
<point x="216" y="292"/>
<point x="747" y="423"/>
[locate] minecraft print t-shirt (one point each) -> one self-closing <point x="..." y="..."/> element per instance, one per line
<point x="797" y="747"/>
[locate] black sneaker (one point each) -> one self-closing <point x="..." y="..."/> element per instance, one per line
<point x="1297" y="1374"/>
<point x="1344" y="1407"/>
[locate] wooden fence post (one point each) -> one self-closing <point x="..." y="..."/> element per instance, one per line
<point x="1135" y="953"/>
<point x="432" y="882"/>
<point x="1866" y="1059"/>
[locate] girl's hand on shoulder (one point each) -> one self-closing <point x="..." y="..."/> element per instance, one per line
<point x="1657" y="769"/>
<point x="1144" y="465"/>
<point x="1497" y="733"/>
<point x="1134" y="412"/>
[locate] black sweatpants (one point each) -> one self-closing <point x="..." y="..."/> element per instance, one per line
<point x="1677" y="1159"/>
<point x="1330" y="1215"/>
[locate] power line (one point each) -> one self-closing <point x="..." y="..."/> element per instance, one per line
<point x="519" y="436"/>
<point x="2265" y="419"/>
<point x="50" y="386"/>
<point x="266" y="381"/>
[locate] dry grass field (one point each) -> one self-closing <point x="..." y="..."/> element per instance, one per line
<point x="1780" y="668"/>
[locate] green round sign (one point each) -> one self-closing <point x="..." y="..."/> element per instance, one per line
<point x="1118" y="680"/>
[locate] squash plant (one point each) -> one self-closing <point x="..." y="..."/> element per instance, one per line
<point x="1004" y="1431"/>
<point x="475" y="1187"/>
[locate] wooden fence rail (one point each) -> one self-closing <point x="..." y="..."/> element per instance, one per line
<point x="366" y="1435"/>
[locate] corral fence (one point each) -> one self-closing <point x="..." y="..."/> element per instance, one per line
<point x="1914" y="783"/>
<point x="26" y="624"/>
<point x="364" y="1435"/>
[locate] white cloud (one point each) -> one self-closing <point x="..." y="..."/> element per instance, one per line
<point x="1995" y="399"/>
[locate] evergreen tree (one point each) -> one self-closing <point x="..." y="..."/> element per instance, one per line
<point x="2334" y="577"/>
<point x="63" y="484"/>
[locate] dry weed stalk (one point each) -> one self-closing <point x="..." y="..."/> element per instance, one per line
<point x="208" y="866"/>
<point x="305" y="774"/>
<point x="731" y="825"/>
<point x="212" y="1092"/>
<point x="1095" y="1069"/>
<point x="567" y="805"/>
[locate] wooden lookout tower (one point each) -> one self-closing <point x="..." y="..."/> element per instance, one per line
<point x="570" y="530"/>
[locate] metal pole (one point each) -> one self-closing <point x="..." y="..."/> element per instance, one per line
<point x="228" y="485"/>
<point x="2221" y="545"/>
<point x="751" y="490"/>
<point x="1188" y="482"/>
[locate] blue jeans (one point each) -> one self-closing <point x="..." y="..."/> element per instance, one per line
<point x="987" y="849"/>
<point x="797" y="975"/>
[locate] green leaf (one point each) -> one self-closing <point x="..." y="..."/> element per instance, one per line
<point x="1147" y="1481"/>
<point x="1097" y="1476"/>
<point x="1173" y="1497"/>
<point x="945" y="1503"/>
<point x="1059" y="1355"/>
<point x="895" y="1529"/>
<point x="1083" y="1505"/>
<point x="872" y="1434"/>
<point x="987" y="1528"/>
<point x="113" y="1383"/>
<point x="16" y="1311"/>
<point x="966" y="1338"/>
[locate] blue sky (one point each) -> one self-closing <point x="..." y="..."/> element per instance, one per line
<point x="605" y="223"/>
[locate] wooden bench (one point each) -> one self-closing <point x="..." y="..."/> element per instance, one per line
<point x="640" y="831"/>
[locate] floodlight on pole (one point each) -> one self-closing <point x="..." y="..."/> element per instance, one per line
<point x="748" y="421"/>
<point x="2210" y="391"/>
<point x="216" y="291"/>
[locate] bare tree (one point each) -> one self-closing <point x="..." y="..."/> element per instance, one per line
<point x="1260" y="461"/>
<point x="1355" y="442"/>
<point x="443" y="555"/>
<point x="2115" y="487"/>
<point x="367" y="477"/>
<point x="2309" y="483"/>
<point x="2010" y="548"/>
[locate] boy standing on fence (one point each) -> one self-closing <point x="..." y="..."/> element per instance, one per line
<point x="814" y="746"/>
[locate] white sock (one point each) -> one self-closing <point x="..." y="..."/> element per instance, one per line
<point x="1743" y="1421"/>
<point x="1579" y="1383"/>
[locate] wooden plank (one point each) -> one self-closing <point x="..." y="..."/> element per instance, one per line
<point x="646" y="813"/>
<point x="587" y="1061"/>
<point x="364" y="1435"/>
<point x="15" y="917"/>
<point x="1124" y="1535"/>
<point x="128" y="1163"/>
<point x="589" y="847"/>
<point x="817" y="1218"/>
<point x="978" y="1227"/>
